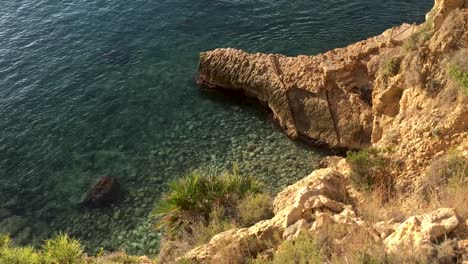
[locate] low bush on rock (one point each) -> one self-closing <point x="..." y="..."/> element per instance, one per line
<point x="304" y="249"/>
<point x="254" y="208"/>
<point x="459" y="75"/>
<point x="63" y="249"/>
<point x="391" y="67"/>
<point x="204" y="203"/>
<point x="59" y="250"/>
<point x="192" y="199"/>
<point x="423" y="34"/>
<point x="446" y="183"/>
<point x="368" y="170"/>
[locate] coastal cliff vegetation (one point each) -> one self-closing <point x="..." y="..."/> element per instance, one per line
<point x="397" y="102"/>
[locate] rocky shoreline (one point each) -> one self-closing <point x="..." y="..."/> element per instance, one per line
<point x="394" y="93"/>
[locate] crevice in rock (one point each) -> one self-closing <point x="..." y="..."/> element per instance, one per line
<point x="278" y="72"/>
<point x="335" y="124"/>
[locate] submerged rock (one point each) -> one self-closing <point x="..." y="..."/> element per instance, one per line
<point x="106" y="191"/>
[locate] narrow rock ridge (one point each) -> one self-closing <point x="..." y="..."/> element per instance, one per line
<point x="299" y="90"/>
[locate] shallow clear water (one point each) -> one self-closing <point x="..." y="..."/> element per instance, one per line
<point x="97" y="87"/>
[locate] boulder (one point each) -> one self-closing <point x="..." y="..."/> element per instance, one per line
<point x="323" y="182"/>
<point x="105" y="192"/>
<point x="294" y="230"/>
<point x="420" y="230"/>
<point x="233" y="245"/>
<point x="385" y="228"/>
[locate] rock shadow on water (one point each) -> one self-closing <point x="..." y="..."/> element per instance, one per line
<point x="238" y="100"/>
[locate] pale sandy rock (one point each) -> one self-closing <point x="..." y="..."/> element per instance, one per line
<point x="237" y="242"/>
<point x="322" y="202"/>
<point x="325" y="182"/>
<point x="419" y="230"/>
<point x="294" y="230"/>
<point x="442" y="9"/>
<point x="385" y="228"/>
<point x="322" y="222"/>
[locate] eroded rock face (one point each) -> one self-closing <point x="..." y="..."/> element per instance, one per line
<point x="441" y="10"/>
<point x="105" y="192"/>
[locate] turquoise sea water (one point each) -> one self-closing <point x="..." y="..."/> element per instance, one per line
<point x="96" y="87"/>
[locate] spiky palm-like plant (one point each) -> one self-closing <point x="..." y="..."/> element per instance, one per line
<point x="193" y="197"/>
<point x="63" y="250"/>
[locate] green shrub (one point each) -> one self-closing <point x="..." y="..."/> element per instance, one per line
<point x="202" y="233"/>
<point x="302" y="250"/>
<point x="17" y="255"/>
<point x="59" y="250"/>
<point x="423" y="34"/>
<point x="369" y="171"/>
<point x="255" y="208"/>
<point x="391" y="67"/>
<point x="192" y="198"/>
<point x="460" y="76"/>
<point x="367" y="166"/>
<point x="63" y="250"/>
<point x="20" y="255"/>
<point x="5" y="241"/>
<point x="365" y="160"/>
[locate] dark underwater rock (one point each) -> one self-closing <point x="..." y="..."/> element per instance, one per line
<point x="105" y="192"/>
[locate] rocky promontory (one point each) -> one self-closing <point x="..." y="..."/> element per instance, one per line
<point x="393" y="90"/>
